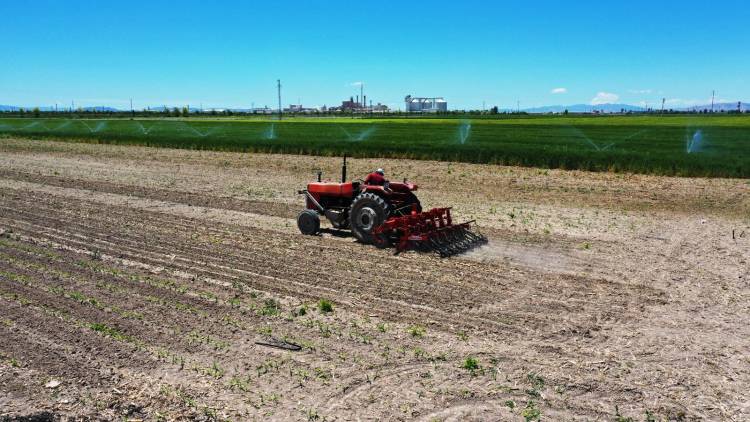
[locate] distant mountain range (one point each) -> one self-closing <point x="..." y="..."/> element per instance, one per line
<point x="48" y="108"/>
<point x="616" y="108"/>
<point x="585" y="108"/>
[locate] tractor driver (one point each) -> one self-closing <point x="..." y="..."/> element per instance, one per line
<point x="376" y="178"/>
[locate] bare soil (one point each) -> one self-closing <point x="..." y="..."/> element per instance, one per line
<point x="135" y="284"/>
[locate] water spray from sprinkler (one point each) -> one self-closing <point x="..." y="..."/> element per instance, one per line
<point x="64" y="125"/>
<point x="365" y="134"/>
<point x="198" y="132"/>
<point x="35" y="124"/>
<point x="694" y="143"/>
<point x="593" y="144"/>
<point x="464" y="131"/>
<point x="91" y="130"/>
<point x="361" y="136"/>
<point x="270" y="133"/>
<point x="144" y="129"/>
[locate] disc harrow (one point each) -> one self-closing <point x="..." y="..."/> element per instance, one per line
<point x="431" y="230"/>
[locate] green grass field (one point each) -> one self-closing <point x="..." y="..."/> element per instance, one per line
<point x="687" y="145"/>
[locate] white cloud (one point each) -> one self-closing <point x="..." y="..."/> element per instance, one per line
<point x="640" y="91"/>
<point x="559" y="91"/>
<point x="357" y="83"/>
<point x="604" y="98"/>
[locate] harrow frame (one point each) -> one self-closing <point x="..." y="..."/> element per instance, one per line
<point x="431" y="230"/>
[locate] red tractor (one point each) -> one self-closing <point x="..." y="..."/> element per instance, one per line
<point x="383" y="215"/>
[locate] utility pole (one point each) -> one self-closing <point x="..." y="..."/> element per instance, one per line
<point x="278" y="88"/>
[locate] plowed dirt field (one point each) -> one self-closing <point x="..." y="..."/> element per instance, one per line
<point x="135" y="283"/>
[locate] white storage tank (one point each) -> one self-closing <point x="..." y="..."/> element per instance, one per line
<point x="425" y="104"/>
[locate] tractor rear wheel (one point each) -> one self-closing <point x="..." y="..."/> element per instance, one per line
<point x="368" y="212"/>
<point x="308" y="222"/>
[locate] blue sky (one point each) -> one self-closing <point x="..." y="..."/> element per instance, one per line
<point x="536" y="52"/>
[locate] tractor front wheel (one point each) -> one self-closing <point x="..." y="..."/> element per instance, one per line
<point x="368" y="212"/>
<point x="308" y="222"/>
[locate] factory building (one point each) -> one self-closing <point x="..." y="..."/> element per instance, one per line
<point x="354" y="105"/>
<point x="425" y="105"/>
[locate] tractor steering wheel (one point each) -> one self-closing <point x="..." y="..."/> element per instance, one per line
<point x="387" y="187"/>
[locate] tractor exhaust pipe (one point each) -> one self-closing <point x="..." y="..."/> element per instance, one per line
<point x="343" y="171"/>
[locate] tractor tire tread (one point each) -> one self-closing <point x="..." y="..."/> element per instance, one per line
<point x="365" y="198"/>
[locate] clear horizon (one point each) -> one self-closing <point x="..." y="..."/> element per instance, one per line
<point x="472" y="54"/>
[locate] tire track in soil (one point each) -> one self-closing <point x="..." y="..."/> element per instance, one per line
<point x="529" y="315"/>
<point x="161" y="324"/>
<point x="240" y="357"/>
<point x="191" y="225"/>
<point x="403" y="264"/>
<point x="87" y="363"/>
<point x="89" y="314"/>
<point x="577" y="330"/>
<point x="165" y="319"/>
<point x="191" y="266"/>
<point x="275" y="209"/>
<point x="70" y="340"/>
<point x="355" y="374"/>
<point x="100" y="227"/>
<point x="110" y="354"/>
<point x="58" y="266"/>
<point x="132" y="283"/>
<point x="526" y="321"/>
<point x="357" y="389"/>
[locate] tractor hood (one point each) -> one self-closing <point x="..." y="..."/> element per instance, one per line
<point x="403" y="187"/>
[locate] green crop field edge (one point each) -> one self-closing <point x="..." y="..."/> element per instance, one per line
<point x="703" y="147"/>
